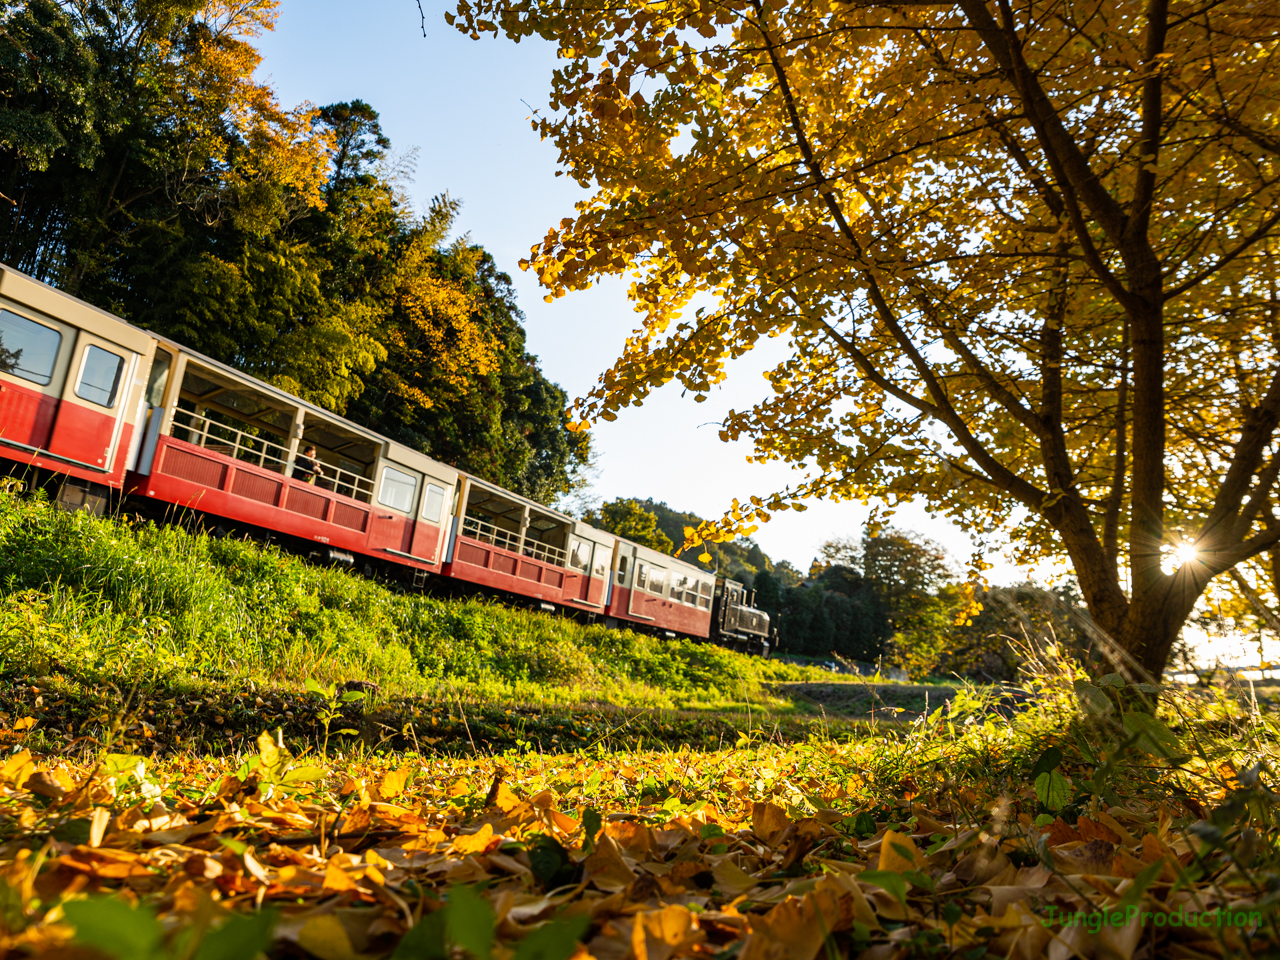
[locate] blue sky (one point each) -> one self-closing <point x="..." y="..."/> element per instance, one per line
<point x="466" y="105"/>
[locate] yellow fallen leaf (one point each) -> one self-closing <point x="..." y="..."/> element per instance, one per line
<point x="898" y="852"/>
<point x="845" y="884"/>
<point x="631" y="837"/>
<point x="98" y="821"/>
<point x="658" y="934"/>
<point x="563" y="823"/>
<point x="476" y="842"/>
<point x="17" y="769"/>
<point x="327" y="938"/>
<point x="1116" y="827"/>
<point x="731" y="879"/>
<point x="393" y="783"/>
<point x="26" y="723"/>
<point x="505" y="800"/>
<point x="254" y="868"/>
<point x="768" y="821"/>
<point x="606" y="868"/>
<point x="336" y="879"/>
<point x="801" y="926"/>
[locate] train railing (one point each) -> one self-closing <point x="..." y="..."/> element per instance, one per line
<point x="544" y="552"/>
<point x="228" y="441"/>
<point x="347" y="483"/>
<point x="485" y="532"/>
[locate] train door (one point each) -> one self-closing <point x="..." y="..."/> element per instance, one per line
<point x="94" y="399"/>
<point x="431" y="519"/>
<point x="624" y="565"/>
<point x="33" y="364"/>
<point x="577" y="579"/>
<point x="151" y="417"/>
<point x="397" y="498"/>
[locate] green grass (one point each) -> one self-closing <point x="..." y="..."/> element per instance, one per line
<point x="139" y="606"/>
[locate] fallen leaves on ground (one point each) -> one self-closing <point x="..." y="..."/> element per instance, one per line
<point x="746" y="854"/>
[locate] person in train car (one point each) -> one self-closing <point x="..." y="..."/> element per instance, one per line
<point x="307" y="467"/>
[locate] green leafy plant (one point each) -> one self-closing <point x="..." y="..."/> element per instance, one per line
<point x="331" y="710"/>
<point x="274" y="767"/>
<point x="133" y="933"/>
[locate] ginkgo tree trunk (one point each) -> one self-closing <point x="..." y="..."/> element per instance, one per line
<point x="1024" y="257"/>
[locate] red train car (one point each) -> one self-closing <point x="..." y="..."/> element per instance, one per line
<point x="72" y="379"/>
<point x="227" y="445"/>
<point x="658" y="593"/>
<point x="507" y="543"/>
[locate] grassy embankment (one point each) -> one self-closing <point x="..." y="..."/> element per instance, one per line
<point x="163" y="634"/>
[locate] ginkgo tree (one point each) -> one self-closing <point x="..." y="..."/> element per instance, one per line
<point x="1023" y="255"/>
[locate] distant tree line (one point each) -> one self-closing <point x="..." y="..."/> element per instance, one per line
<point x="146" y="170"/>
<point x="888" y="596"/>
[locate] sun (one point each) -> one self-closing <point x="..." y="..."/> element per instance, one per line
<point x="1185" y="553"/>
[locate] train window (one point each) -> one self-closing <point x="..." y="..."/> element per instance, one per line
<point x="99" y="376"/>
<point x="622" y="570"/>
<point x="657" y="581"/>
<point x="601" y="568"/>
<point x="642" y="575"/>
<point x="35" y="346"/>
<point x="580" y="555"/>
<point x="704" y="594"/>
<point x="397" y="489"/>
<point x="158" y="379"/>
<point x="678" y="582"/>
<point x="433" y="503"/>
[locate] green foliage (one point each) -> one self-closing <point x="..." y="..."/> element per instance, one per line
<point x="838" y="613"/>
<point x="1052" y="789"/>
<point x="122" y="932"/>
<point x="739" y="559"/>
<point x="467" y="922"/>
<point x="333" y="702"/>
<point x="116" y="928"/>
<point x="887" y="880"/>
<point x="628" y="518"/>
<point x="557" y="940"/>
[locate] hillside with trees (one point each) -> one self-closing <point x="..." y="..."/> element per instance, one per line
<point x="146" y="170"/>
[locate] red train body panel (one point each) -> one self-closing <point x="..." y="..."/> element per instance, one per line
<point x="501" y="569"/>
<point x="38" y="431"/>
<point x="26" y="416"/>
<point x="190" y="476"/>
<point x="659" y="613"/>
<point x="81" y="433"/>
